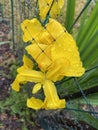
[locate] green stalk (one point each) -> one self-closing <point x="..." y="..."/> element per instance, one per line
<point x="12" y="11"/>
<point x="4" y="42"/>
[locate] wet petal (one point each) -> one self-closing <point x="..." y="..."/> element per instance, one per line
<point x="35" y="50"/>
<point x="51" y="96"/>
<point x="30" y="76"/>
<point x="27" y="62"/>
<point x="60" y="3"/>
<point x="43" y="62"/>
<point x="24" y="24"/>
<point x="36" y="88"/>
<point x="65" y="46"/>
<point x="44" y="6"/>
<point x="27" y="75"/>
<point x="58" y="69"/>
<point x="54" y="28"/>
<point x="15" y="85"/>
<point x="55" y="10"/>
<point x="34" y="103"/>
<point x="31" y="28"/>
<point x="44" y="37"/>
<point x="41" y="53"/>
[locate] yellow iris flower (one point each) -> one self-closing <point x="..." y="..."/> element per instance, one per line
<point x="25" y="74"/>
<point x="54" y="6"/>
<point x="57" y="44"/>
<point x="56" y="53"/>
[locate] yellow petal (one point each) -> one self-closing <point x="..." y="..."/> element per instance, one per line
<point x="30" y="76"/>
<point x="15" y="85"/>
<point x="44" y="37"/>
<point x="44" y="6"/>
<point x="27" y="75"/>
<point x="24" y="24"/>
<point x="36" y="88"/>
<point x="27" y="62"/>
<point x="65" y="46"/>
<point x="21" y="69"/>
<point x="58" y="69"/>
<point x="34" y="50"/>
<point x="34" y="103"/>
<point x="60" y="3"/>
<point x="52" y="99"/>
<point x="55" y="10"/>
<point x="41" y="53"/>
<point x="43" y="62"/>
<point x="54" y="28"/>
<point x="31" y="28"/>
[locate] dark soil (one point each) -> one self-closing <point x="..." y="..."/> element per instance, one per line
<point x="7" y="120"/>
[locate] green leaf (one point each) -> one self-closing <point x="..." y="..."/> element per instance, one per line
<point x="24" y="127"/>
<point x="70" y="12"/>
<point x="90" y="46"/>
<point x="82" y="11"/>
<point x="90" y="25"/>
<point x="82" y="115"/>
<point x="4" y="42"/>
<point x="87" y="81"/>
<point x="92" y="98"/>
<point x="83" y="19"/>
